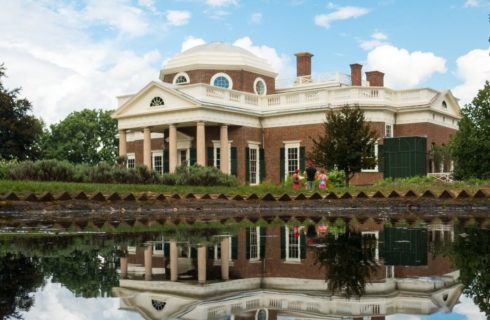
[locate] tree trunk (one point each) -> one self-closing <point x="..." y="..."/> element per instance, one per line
<point x="347" y="178"/>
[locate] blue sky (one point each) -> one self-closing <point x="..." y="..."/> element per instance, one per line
<point x="68" y="55"/>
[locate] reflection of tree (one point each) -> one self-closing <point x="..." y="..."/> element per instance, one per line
<point x="471" y="255"/>
<point x="348" y="261"/>
<point x="87" y="273"/>
<point x="19" y="276"/>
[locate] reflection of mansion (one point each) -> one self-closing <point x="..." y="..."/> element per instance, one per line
<point x="270" y="273"/>
<point x="218" y="97"/>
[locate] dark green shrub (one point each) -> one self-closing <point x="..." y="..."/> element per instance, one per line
<point x="54" y="170"/>
<point x="168" y="179"/>
<point x="203" y="176"/>
<point x="101" y="173"/>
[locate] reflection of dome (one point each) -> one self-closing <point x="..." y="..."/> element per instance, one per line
<point x="217" y="55"/>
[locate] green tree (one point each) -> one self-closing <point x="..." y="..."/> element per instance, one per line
<point x="20" y="131"/>
<point x="347" y="144"/>
<point x="471" y="143"/>
<point x="86" y="136"/>
<point x="471" y="255"/>
<point x="348" y="260"/>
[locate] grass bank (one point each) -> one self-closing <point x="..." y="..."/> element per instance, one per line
<point x="386" y="186"/>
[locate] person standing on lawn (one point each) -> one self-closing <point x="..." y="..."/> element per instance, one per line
<point x="310" y="174"/>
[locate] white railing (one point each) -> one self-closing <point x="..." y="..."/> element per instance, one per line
<point x="333" y="96"/>
<point x="442" y="176"/>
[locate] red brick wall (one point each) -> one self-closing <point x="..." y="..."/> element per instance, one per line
<point x="274" y="138"/>
<point x="242" y="80"/>
<point x="434" y="133"/>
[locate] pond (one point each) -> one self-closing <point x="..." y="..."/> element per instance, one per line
<point x="282" y="267"/>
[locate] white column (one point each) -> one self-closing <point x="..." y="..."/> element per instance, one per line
<point x="122" y="143"/>
<point x="174" y="273"/>
<point x="224" y="152"/>
<point x="201" y="144"/>
<point x="148" y="261"/>
<point x="201" y="264"/>
<point x="147" y="147"/>
<point x="225" y="258"/>
<point x="172" y="148"/>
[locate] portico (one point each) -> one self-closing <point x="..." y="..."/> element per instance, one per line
<point x="179" y="145"/>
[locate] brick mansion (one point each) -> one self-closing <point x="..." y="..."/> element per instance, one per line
<point x="220" y="105"/>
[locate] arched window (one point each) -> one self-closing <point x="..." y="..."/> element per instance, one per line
<point x="157" y="101"/>
<point x="260" y="87"/>
<point x="222" y="80"/>
<point x="444" y="104"/>
<point x="181" y="78"/>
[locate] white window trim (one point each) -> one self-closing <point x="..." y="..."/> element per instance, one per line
<point x="376" y="235"/>
<point x="289" y="259"/>
<point x="217" y="144"/>
<point x="215" y="254"/>
<point x="392" y="130"/>
<point x="130" y="156"/>
<point x="257" y="173"/>
<point x="157" y="252"/>
<point x="290" y="145"/>
<point x="187" y="156"/>
<point x="375" y="169"/>
<point x="221" y="74"/>
<point x="256" y="258"/>
<point x="265" y="86"/>
<point x="156" y="153"/>
<point x="186" y="76"/>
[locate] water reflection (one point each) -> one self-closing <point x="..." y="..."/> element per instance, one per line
<point x="249" y="271"/>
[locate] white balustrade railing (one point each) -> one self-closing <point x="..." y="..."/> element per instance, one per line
<point x="336" y="96"/>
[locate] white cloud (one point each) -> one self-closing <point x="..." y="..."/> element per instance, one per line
<point x="54" y="302"/>
<point x="379" y="36"/>
<point x="256" y="18"/>
<point x="375" y="41"/>
<point x="473" y="68"/>
<point x="120" y="16"/>
<point x="149" y="4"/>
<point x="342" y="13"/>
<point x="281" y="63"/>
<point x="60" y="69"/>
<point x="403" y="68"/>
<point x="191" y="42"/>
<point x="178" y="17"/>
<point x="468" y="308"/>
<point x="471" y="3"/>
<point x="221" y="3"/>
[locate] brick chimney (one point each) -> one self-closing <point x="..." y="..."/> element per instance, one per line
<point x="303" y="64"/>
<point x="355" y="74"/>
<point x="375" y="78"/>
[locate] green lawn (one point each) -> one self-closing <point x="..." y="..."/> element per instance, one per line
<point x="418" y="185"/>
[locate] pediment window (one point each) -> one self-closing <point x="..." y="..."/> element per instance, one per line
<point x="157" y="304"/>
<point x="157" y="101"/>
<point x="222" y="80"/>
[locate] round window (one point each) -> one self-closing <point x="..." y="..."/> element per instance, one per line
<point x="259" y="87"/>
<point x="222" y="82"/>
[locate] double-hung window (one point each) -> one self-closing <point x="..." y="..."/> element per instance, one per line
<point x="131" y="160"/>
<point x="291" y="158"/>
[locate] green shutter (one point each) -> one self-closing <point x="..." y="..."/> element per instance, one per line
<point x="262" y="242"/>
<point x="165" y="161"/>
<point x="262" y="164"/>
<point x="283" y="242"/>
<point x="166" y="249"/>
<point x="233" y="168"/>
<point x="381" y="165"/>
<point x="211" y="251"/>
<point x="302" y="159"/>
<point x="234" y="247"/>
<point x="302" y="245"/>
<point x="192" y="160"/>
<point x="247" y="165"/>
<point x="193" y="253"/>
<point x="282" y="164"/>
<point x="210" y="156"/>
<point x="247" y="241"/>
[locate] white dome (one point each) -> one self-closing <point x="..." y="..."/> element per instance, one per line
<point x="220" y="56"/>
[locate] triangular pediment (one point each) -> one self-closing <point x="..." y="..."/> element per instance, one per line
<point x="141" y="103"/>
<point x="446" y="102"/>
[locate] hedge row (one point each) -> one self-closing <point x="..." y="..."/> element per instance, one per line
<point x="55" y="170"/>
